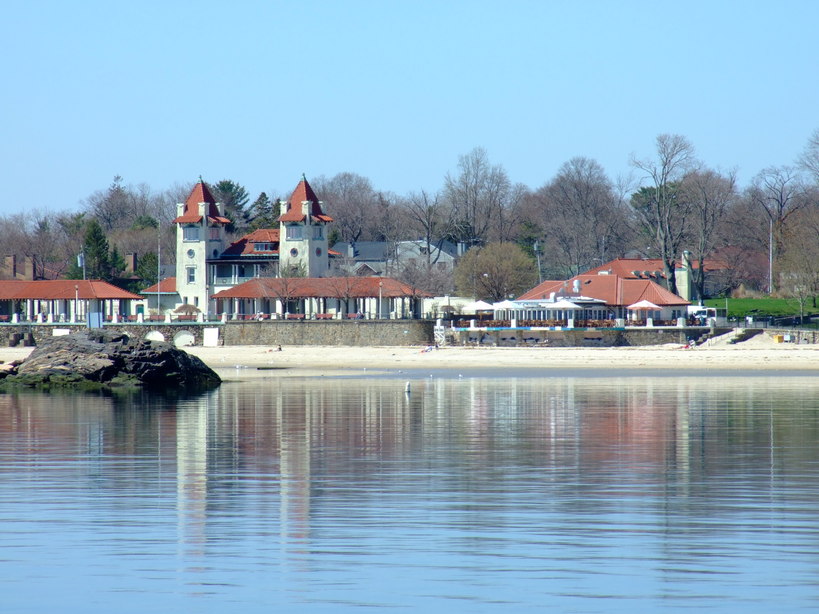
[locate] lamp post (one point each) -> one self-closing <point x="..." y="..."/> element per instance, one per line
<point x="76" y="300"/>
<point x="158" y="265"/>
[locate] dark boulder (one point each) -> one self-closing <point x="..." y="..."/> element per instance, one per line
<point x="101" y="359"/>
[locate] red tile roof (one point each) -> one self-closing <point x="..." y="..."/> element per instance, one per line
<point x="190" y="213"/>
<point x="63" y="289"/>
<point x="614" y="290"/>
<point x="321" y="287"/>
<point x="166" y="286"/>
<point x="245" y="245"/>
<point x="295" y="212"/>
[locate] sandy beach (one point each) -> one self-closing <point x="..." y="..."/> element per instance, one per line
<point x="760" y="353"/>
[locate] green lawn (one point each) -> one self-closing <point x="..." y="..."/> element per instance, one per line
<point x="777" y="307"/>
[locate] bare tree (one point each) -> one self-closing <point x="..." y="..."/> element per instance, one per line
<point x="477" y="194"/>
<point x="779" y="192"/>
<point x="660" y="208"/>
<point x="582" y="218"/>
<point x="809" y="160"/>
<point x="352" y="202"/>
<point x="800" y="258"/>
<point x="432" y="278"/>
<point x="430" y="221"/>
<point x="710" y="195"/>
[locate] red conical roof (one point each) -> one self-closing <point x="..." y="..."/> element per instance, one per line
<point x="295" y="211"/>
<point x="200" y="194"/>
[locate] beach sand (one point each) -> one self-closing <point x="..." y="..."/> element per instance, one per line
<point x="759" y="353"/>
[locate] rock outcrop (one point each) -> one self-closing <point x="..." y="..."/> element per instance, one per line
<point x="100" y="359"/>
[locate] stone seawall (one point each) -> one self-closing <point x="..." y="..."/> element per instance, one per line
<point x="334" y="332"/>
<point x="383" y="333"/>
<point x="606" y="337"/>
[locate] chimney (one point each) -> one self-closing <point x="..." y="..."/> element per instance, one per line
<point x="28" y="269"/>
<point x="10" y="266"/>
<point x="130" y="262"/>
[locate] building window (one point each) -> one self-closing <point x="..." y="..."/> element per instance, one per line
<point x="214" y="233"/>
<point x="190" y="233"/>
<point x="196" y="301"/>
<point x="191" y="271"/>
<point x="294" y="233"/>
<point x="262" y="247"/>
<point x="318" y="232"/>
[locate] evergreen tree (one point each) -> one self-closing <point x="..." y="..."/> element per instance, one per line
<point x="235" y="198"/>
<point x="95" y="254"/>
<point x="117" y="264"/>
<point x="146" y="271"/>
<point x="264" y="212"/>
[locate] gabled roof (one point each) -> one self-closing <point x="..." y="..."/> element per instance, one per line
<point x="245" y="245"/>
<point x="365" y="250"/>
<point x="295" y="211"/>
<point x="190" y="213"/>
<point x="321" y="287"/>
<point x="63" y="289"/>
<point x="166" y="286"/>
<point x="614" y="290"/>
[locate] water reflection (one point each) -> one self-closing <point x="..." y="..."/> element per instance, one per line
<point x="594" y="494"/>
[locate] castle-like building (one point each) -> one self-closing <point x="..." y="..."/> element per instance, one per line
<point x="207" y="264"/>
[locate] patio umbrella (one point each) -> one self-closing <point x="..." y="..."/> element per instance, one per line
<point x="187" y="310"/>
<point x="644" y="305"/>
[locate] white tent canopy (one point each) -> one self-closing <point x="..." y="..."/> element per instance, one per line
<point x="477" y="306"/>
<point x="506" y="305"/>
<point x="561" y="304"/>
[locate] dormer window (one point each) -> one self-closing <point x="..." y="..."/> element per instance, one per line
<point x="262" y="247"/>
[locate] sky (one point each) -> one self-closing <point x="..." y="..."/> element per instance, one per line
<point x="163" y="92"/>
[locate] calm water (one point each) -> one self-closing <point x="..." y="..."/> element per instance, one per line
<point x="566" y="494"/>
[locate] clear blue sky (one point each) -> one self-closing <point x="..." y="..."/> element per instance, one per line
<point x="160" y="92"/>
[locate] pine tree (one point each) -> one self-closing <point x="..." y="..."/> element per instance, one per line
<point x="235" y="198"/>
<point x="146" y="271"/>
<point x="94" y="253"/>
<point x="264" y="212"/>
<point x="117" y="264"/>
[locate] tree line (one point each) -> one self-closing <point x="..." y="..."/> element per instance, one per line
<point x="766" y="233"/>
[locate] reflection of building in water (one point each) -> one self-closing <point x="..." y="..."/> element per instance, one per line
<point x="192" y="470"/>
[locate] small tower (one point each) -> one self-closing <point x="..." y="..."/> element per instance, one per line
<point x="200" y="236"/>
<point x="303" y="235"/>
